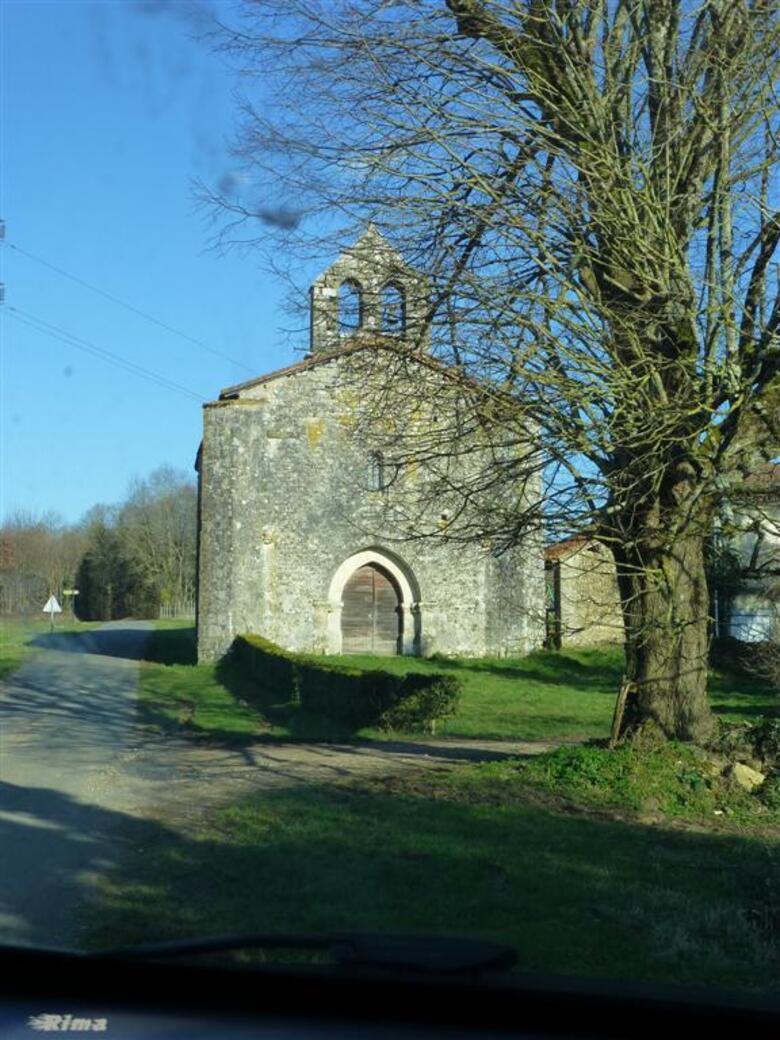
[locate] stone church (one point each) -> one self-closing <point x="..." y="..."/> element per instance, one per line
<point x="296" y="537"/>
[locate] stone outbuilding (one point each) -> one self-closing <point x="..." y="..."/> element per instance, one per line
<point x="583" y="601"/>
<point x="297" y="540"/>
<point x="748" y="606"/>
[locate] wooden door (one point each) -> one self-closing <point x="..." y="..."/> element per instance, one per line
<point x="371" y="615"/>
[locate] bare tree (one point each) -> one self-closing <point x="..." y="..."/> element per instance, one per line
<point x="591" y="185"/>
<point x="39" y="555"/>
<point x="157" y="526"/>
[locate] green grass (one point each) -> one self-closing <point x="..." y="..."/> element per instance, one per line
<point x="675" y="781"/>
<point x="17" y="635"/>
<point x="214" y="701"/>
<point x="545" y="696"/>
<point x="473" y="852"/>
<point x="541" y="697"/>
<point x="569" y="695"/>
<point x="176" y="694"/>
<point x="740" y="697"/>
<point x="566" y="695"/>
<point x="589" y="863"/>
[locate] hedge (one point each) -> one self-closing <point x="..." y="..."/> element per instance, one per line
<point x="354" y="696"/>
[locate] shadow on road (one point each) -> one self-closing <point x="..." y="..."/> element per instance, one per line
<point x="127" y="641"/>
<point x="52" y="850"/>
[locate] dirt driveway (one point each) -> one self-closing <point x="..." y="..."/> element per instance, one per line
<point x="75" y="770"/>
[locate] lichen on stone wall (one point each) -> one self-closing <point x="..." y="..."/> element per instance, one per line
<point x="315" y="428"/>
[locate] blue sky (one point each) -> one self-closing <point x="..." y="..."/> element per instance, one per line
<point x="110" y="110"/>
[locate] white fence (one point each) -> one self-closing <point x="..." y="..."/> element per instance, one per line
<point x="178" y="610"/>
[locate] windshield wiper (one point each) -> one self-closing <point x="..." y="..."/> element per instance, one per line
<point x="430" y="955"/>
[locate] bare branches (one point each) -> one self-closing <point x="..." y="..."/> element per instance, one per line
<point x="591" y="187"/>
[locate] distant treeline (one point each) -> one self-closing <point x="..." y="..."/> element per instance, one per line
<point x="126" y="560"/>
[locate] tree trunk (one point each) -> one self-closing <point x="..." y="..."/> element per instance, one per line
<point x="665" y="608"/>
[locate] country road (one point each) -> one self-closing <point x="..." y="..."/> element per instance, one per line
<point x="66" y="717"/>
<point x="79" y="778"/>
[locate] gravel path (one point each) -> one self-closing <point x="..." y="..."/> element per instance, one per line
<point x="77" y="776"/>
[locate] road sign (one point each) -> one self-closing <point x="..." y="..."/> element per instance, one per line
<point x="52" y="607"/>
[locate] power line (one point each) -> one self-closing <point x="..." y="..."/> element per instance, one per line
<point x="55" y="332"/>
<point x="91" y="348"/>
<point x="127" y="306"/>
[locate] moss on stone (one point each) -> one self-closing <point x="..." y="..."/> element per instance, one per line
<point x="314" y="431"/>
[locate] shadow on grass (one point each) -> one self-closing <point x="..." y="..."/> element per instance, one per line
<point x="734" y="694"/>
<point x="173" y="646"/>
<point x="183" y="700"/>
<point x="599" y="670"/>
<point x="747" y="711"/>
<point x="573" y="894"/>
<point x="9" y="665"/>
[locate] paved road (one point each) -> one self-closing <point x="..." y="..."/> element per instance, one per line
<point x="79" y="778"/>
<point x="66" y="717"/>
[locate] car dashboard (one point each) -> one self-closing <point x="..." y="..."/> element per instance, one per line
<point x="129" y="999"/>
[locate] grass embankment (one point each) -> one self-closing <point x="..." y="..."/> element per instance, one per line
<point x="19" y="637"/>
<point x="513" y="851"/>
<point x="545" y="696"/>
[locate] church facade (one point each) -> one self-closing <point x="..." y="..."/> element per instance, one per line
<point x="298" y="540"/>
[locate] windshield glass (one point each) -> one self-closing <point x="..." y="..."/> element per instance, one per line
<point x="391" y="486"/>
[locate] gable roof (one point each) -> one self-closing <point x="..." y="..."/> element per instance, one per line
<point x="372" y="240"/>
<point x="566" y="547"/>
<point x="289" y="370"/>
<point x="375" y="343"/>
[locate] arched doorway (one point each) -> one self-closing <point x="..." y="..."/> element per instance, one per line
<point x="371" y="615"/>
<point x="406" y="598"/>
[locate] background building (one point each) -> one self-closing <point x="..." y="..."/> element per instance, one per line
<point x="583" y="603"/>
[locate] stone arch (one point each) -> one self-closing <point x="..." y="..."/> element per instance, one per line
<point x="407" y="586"/>
<point x="372" y="263"/>
<point x="351" y="306"/>
<point x="392" y="305"/>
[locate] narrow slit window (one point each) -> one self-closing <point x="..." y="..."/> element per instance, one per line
<point x="350" y="307"/>
<point x="376" y="471"/>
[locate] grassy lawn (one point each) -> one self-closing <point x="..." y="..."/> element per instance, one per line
<point x="568" y="695"/>
<point x="491" y="851"/>
<point x="609" y="865"/>
<point x="16" y="637"/>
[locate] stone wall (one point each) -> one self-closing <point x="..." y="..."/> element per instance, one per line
<point x="589" y="601"/>
<point x="286" y="499"/>
<point x="371" y="264"/>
